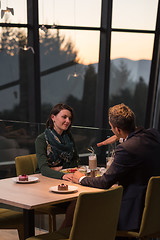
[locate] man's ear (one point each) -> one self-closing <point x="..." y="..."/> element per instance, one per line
<point x="117" y="130"/>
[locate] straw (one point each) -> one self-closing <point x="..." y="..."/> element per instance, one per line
<point x="91" y="150"/>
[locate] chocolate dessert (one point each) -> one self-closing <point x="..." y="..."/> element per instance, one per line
<point x="23" y="177"/>
<point x="62" y="187"/>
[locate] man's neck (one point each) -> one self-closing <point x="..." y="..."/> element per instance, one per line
<point x="124" y="135"/>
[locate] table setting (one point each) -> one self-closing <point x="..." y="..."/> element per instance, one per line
<point x="29" y="179"/>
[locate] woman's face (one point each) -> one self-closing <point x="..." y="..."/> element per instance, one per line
<point x="62" y="120"/>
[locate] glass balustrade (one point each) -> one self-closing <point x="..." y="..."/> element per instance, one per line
<point x="17" y="138"/>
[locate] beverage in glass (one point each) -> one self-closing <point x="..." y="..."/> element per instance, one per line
<point x="92" y="161"/>
<point x="109" y="160"/>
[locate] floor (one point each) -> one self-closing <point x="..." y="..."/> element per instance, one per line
<point x="13" y="234"/>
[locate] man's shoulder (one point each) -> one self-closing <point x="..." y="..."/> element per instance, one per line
<point x="151" y="134"/>
<point x="141" y="130"/>
<point x="142" y="139"/>
<point x="153" y="131"/>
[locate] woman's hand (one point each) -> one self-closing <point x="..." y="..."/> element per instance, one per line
<point x="68" y="177"/>
<point x="110" y="140"/>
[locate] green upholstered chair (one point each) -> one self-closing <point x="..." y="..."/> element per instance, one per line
<point x="10" y="219"/>
<point x="150" y="223"/>
<point x="27" y="165"/>
<point x="95" y="218"/>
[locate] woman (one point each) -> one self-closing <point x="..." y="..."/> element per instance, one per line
<point x="55" y="147"/>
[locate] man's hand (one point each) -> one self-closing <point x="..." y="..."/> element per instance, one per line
<point x="110" y="140"/>
<point x="76" y="176"/>
<point x="68" y="177"/>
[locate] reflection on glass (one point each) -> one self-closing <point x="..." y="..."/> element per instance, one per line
<point x="134" y="14"/>
<point x="129" y="77"/>
<point x="82" y="45"/>
<point x="70" y="13"/>
<point x="17" y="15"/>
<point x="79" y="93"/>
<point x="60" y="58"/>
<point x="17" y="138"/>
<point x="7" y="10"/>
<point x="15" y="73"/>
<point x="156" y="120"/>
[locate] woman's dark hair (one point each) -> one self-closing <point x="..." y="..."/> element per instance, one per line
<point x="55" y="110"/>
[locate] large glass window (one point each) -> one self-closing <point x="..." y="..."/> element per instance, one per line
<point x="69" y="69"/>
<point x="156" y="122"/>
<point x="69" y="72"/>
<point x="130" y="71"/>
<point x="70" y="13"/>
<point x="17" y="13"/>
<point x="13" y="69"/>
<point x="69" y="58"/>
<point x="137" y="14"/>
<point x="132" y="46"/>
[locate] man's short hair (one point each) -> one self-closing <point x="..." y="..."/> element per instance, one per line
<point x="121" y="116"/>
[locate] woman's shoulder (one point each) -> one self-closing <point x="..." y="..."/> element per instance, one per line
<point x="40" y="137"/>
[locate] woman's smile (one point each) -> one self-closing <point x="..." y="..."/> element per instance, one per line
<point x="62" y="121"/>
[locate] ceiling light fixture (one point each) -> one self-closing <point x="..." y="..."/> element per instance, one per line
<point x="7" y="10"/>
<point x="25" y="48"/>
<point x="75" y="74"/>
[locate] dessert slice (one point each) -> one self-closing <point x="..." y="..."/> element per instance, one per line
<point x="62" y="187"/>
<point x="23" y="177"/>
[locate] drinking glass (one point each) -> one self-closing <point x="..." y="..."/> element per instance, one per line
<point x="109" y="160"/>
<point x="92" y="161"/>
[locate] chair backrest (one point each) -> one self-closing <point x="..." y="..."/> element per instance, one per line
<point x="96" y="215"/>
<point x="150" y="223"/>
<point x="26" y="164"/>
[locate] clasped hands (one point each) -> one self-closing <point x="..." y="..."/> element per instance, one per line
<point x="73" y="177"/>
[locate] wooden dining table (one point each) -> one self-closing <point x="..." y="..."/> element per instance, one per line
<point x="30" y="196"/>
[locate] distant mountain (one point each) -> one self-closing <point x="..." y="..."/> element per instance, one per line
<point x="139" y="68"/>
<point x="60" y="83"/>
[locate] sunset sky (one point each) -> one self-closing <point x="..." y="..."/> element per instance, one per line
<point x="134" y="14"/>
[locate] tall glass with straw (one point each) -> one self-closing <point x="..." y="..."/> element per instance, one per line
<point x="92" y="162"/>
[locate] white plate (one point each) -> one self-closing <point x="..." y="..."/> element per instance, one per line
<point x="30" y="180"/>
<point x="70" y="189"/>
<point x="72" y="170"/>
<point x="68" y="170"/>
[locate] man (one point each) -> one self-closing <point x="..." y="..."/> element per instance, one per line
<point x="135" y="161"/>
